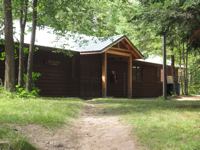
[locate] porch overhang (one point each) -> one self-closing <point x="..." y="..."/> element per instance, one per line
<point x="122" y="47"/>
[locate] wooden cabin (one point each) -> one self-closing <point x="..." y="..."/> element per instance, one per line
<point x="102" y="68"/>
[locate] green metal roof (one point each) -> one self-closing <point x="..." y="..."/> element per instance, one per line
<point x="98" y="44"/>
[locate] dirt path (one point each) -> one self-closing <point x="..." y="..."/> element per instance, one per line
<point x="93" y="131"/>
<point x="187" y="98"/>
<point x="103" y="133"/>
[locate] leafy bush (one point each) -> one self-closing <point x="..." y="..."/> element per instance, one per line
<point x="21" y="92"/>
<point x="35" y="90"/>
<point x="1" y="89"/>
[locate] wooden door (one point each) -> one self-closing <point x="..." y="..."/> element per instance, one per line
<point x="120" y="88"/>
<point x="90" y="79"/>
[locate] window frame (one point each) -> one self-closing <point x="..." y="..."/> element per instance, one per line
<point x="136" y="76"/>
<point x="159" y="75"/>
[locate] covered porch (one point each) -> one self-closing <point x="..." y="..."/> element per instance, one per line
<point x="124" y="51"/>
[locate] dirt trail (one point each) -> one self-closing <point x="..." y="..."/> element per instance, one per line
<point x="103" y="133"/>
<point x="93" y="131"/>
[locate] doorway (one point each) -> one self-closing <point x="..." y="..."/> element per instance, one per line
<point x="120" y="88"/>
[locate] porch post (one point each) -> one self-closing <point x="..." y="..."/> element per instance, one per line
<point x="104" y="74"/>
<point x="130" y="77"/>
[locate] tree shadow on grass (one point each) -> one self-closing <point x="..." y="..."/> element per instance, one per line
<point x="128" y="106"/>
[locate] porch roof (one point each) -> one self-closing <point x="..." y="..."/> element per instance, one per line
<point x="102" y="44"/>
<point x="96" y="44"/>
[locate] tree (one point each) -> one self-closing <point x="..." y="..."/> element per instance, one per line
<point x="23" y="19"/>
<point x="31" y="48"/>
<point x="173" y="74"/>
<point x="175" y="18"/>
<point x="9" y="47"/>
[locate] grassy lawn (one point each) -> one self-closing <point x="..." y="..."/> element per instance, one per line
<point x="159" y="124"/>
<point x="47" y="112"/>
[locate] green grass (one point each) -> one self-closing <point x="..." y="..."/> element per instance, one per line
<point x="12" y="140"/>
<point x="159" y="124"/>
<point x="47" y="112"/>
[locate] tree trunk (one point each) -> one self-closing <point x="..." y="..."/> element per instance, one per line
<point x="184" y="67"/>
<point x="164" y="69"/>
<point x="21" y="49"/>
<point x="180" y="57"/>
<point x="9" y="47"/>
<point x="31" y="48"/>
<point x="186" y="73"/>
<point x="174" y="75"/>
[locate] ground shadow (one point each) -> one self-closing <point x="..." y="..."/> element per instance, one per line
<point x="115" y="106"/>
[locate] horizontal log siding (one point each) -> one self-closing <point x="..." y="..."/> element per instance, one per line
<point x="90" y="75"/>
<point x="148" y="87"/>
<point x="55" y="81"/>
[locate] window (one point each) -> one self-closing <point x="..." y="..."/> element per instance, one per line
<point x="137" y="73"/>
<point x="159" y="75"/>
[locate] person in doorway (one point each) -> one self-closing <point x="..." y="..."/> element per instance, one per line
<point x="114" y="77"/>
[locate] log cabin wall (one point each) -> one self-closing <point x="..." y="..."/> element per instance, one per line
<point x="59" y="73"/>
<point x="148" y="87"/>
<point x="120" y="88"/>
<point x="58" y="77"/>
<point x="90" y="75"/>
<point x="80" y="76"/>
<point x="2" y="64"/>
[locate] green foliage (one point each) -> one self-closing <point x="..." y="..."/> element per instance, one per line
<point x="36" y="49"/>
<point x="68" y="53"/>
<point x="21" y="92"/>
<point x="3" y="55"/>
<point x="35" y="90"/>
<point x="1" y="89"/>
<point x="194" y="72"/>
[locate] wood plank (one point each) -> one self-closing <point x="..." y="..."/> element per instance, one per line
<point x="130" y="77"/>
<point x="135" y="54"/>
<point x="135" y="50"/>
<point x="120" y="49"/>
<point x="125" y="43"/>
<point x="132" y="49"/>
<point x="117" y="53"/>
<point x="104" y="74"/>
